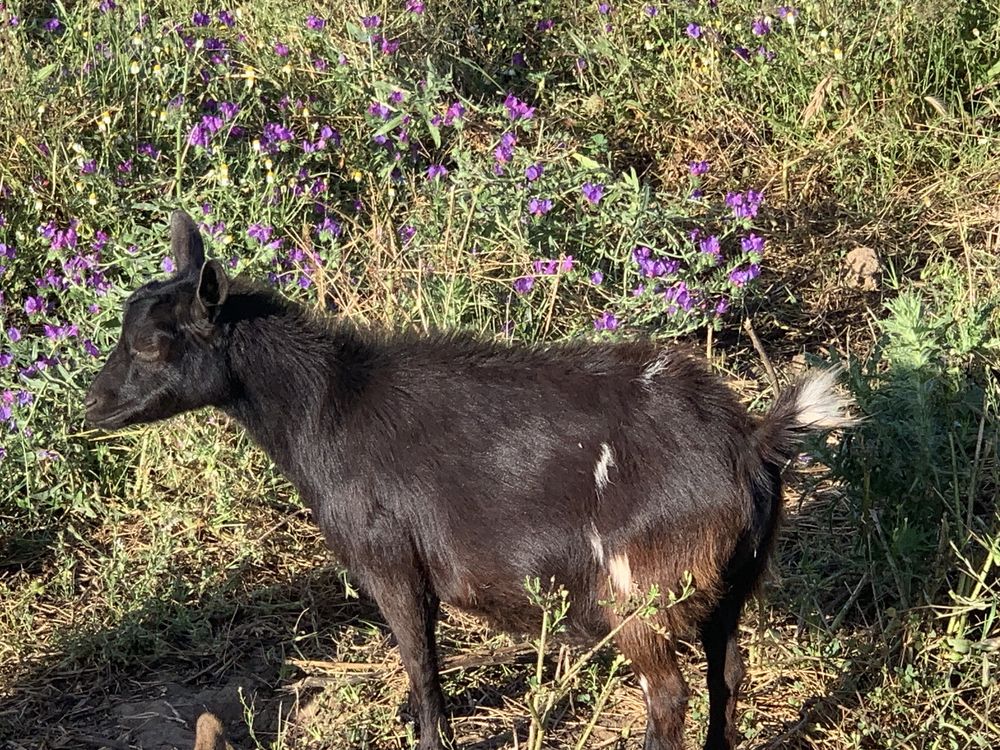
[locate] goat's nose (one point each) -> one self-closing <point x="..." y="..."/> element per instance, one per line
<point x="90" y="401"/>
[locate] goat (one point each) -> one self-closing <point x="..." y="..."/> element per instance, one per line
<point x="443" y="468"/>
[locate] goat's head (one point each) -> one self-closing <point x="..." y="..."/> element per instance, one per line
<point x="168" y="358"/>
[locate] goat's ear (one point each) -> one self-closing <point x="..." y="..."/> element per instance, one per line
<point x="213" y="288"/>
<point x="186" y="244"/>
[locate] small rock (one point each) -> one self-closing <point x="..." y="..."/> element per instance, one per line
<point x="862" y="269"/>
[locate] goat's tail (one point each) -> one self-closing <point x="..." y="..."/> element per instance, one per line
<point x="807" y="406"/>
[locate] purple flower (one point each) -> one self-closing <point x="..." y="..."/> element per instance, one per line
<point x="415" y="6"/>
<point x="693" y="30"/>
<point x="740" y="276"/>
<point x="315" y="23"/>
<point x="538" y="207"/>
<point x="389" y="47"/>
<point x="106" y="6"/>
<point x="52" y="24"/>
<point x="406" y="234"/>
<point x="13" y="334"/>
<point x="760" y="27"/>
<point x="167" y="265"/>
<point x="698" y="168"/>
<point x="202" y="132"/>
<point x="604" y="9"/>
<point x="545" y="24"/>
<point x="88" y="167"/>
<point x="228" y="110"/>
<point x="226" y="18"/>
<point x="651" y="11"/>
<point x="260" y="232"/>
<point x="5" y="359"/>
<point x="678" y="296"/>
<point x="752" y="244"/>
<point x="744" y="206"/>
<point x="742" y="52"/>
<point x="436" y="171"/>
<point x="274" y="131"/>
<point x="396" y="97"/>
<point x="516" y="109"/>
<point x="6" y="413"/>
<point x="88" y="346"/>
<point x="785" y="12"/>
<point x="148" y="149"/>
<point x="524" y="284"/>
<point x="593" y="192"/>
<point x="34" y="305"/>
<point x="280" y="49"/>
<point x="371" y="22"/>
<point x="606" y="322"/>
<point x="710" y="246"/>
<point x="200" y="19"/>
<point x="379" y="110"/>
<point x="722" y="306"/>
<point x="534" y="172"/>
<point x="596" y="278"/>
<point x="455" y="112"/>
<point x="545" y="267"/>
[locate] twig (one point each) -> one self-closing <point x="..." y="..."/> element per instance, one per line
<point x="771" y="375"/>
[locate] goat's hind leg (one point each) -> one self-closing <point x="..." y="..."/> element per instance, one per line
<point x="411" y="609"/>
<point x="725" y="674"/>
<point x="654" y="662"/>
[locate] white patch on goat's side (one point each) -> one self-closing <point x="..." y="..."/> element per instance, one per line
<point x="621" y="573"/>
<point x="604" y="463"/>
<point x="644" y="684"/>
<point x="653" y="369"/>
<point x="596" y="543"/>
<point x="818" y="404"/>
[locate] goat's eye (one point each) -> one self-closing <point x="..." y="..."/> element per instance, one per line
<point x="148" y="354"/>
<point x="151" y="348"/>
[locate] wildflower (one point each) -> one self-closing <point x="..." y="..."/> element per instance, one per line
<point x="13" y="334"/>
<point x="740" y="276"/>
<point x="167" y="265"/>
<point x="606" y="322"/>
<point x="593" y="192"/>
<point x="379" y="110"/>
<point x="693" y="30"/>
<point x="389" y="47"/>
<point x="396" y="97"/>
<point x="505" y="151"/>
<point x="228" y="110"/>
<point x="545" y="24"/>
<point x="226" y="18"/>
<point x="518" y="110"/>
<point x="52" y="24"/>
<point x="596" y="278"/>
<point x="88" y="346"/>
<point x="202" y="132"/>
<point x="787" y="13"/>
<point x="678" y="297"/>
<point x="604" y="9"/>
<point x="280" y="49"/>
<point x="545" y="267"/>
<point x="406" y="233"/>
<point x="33" y="305"/>
<point x="415" y="6"/>
<point x="371" y="22"/>
<point x="742" y="52"/>
<point x="538" y="207"/>
<point x="651" y="11"/>
<point x="744" y="206"/>
<point x="436" y="171"/>
<point x="721" y="306"/>
<point x="6" y="358"/>
<point x="534" y="172"/>
<point x="524" y="284"/>
<point x="260" y="232"/>
<point x="698" y="168"/>
<point x="517" y="60"/>
<point x="455" y="112"/>
<point x="710" y="246"/>
<point x="200" y="19"/>
<point x="752" y="244"/>
<point x="315" y="23"/>
<point x="760" y="27"/>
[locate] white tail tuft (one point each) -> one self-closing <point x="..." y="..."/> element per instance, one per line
<point x="818" y="405"/>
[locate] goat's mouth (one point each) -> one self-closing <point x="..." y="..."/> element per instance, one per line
<point x="108" y="419"/>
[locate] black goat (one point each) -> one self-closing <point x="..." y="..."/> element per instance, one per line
<point x="444" y="468"/>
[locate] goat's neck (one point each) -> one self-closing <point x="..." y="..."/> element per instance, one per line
<point x="284" y="373"/>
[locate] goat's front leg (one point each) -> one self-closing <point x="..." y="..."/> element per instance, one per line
<point x="411" y="609"/>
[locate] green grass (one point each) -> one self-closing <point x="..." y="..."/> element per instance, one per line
<point x="146" y="574"/>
